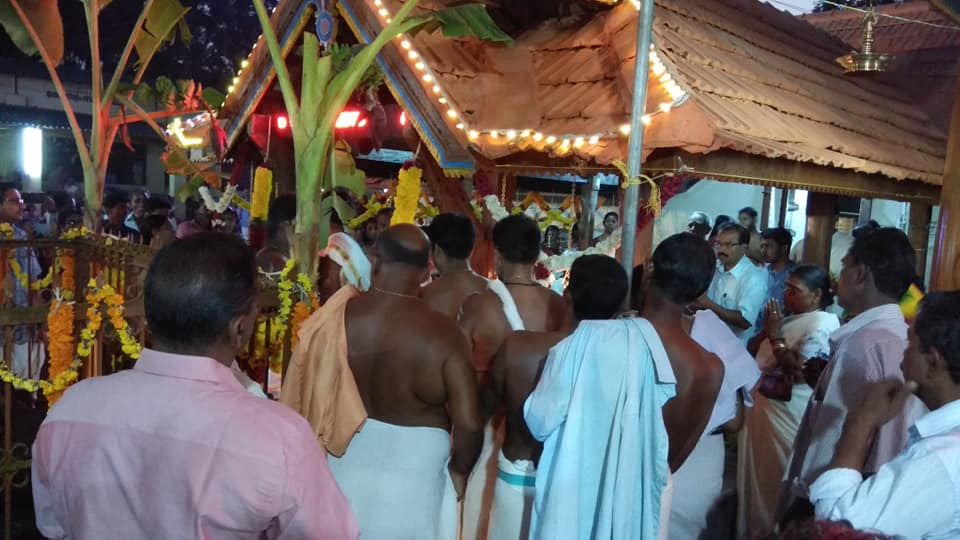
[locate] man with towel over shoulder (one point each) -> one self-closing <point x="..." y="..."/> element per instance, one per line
<point x="410" y="367"/>
<point x="598" y="410"/>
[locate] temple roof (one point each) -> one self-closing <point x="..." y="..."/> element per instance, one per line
<point x="746" y="78"/>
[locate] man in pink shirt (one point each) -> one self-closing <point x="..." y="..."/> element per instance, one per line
<point x="176" y="447"/>
<point x="876" y="273"/>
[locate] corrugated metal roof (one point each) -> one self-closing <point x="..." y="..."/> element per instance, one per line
<point x="761" y="82"/>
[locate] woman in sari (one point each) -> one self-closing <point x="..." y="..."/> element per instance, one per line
<point x="770" y="427"/>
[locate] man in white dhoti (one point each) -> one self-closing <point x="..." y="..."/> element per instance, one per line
<point x="417" y="386"/>
<point x="598" y="409"/>
<point x="514" y="302"/>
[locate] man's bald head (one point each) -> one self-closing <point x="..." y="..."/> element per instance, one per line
<point x="404" y="244"/>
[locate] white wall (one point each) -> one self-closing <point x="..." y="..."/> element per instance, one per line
<point x="890" y="213"/>
<point x="708" y="196"/>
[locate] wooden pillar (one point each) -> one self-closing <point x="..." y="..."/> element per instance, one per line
<point x="821" y="222"/>
<point x="784" y="206"/>
<point x="946" y="256"/>
<point x="919" y="232"/>
<point x="866" y="209"/>
<point x="765" y="208"/>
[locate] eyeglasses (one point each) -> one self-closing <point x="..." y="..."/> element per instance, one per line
<point x="14" y="201"/>
<point x="730" y="244"/>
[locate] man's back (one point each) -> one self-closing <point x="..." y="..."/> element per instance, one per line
<point x="448" y="292"/>
<point x="541" y="309"/>
<point x="699" y="377"/>
<point x="398" y="350"/>
<point x="176" y="448"/>
<point x="413" y="373"/>
<point x="516" y="370"/>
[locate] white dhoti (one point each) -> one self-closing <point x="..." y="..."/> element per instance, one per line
<point x="512" y="499"/>
<point x="764" y="448"/>
<point x="396" y="480"/>
<point x="697" y="487"/>
<point x="478" y="498"/>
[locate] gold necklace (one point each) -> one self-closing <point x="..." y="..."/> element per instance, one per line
<point x="399" y="295"/>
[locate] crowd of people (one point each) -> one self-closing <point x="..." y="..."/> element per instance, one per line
<point x="426" y="401"/>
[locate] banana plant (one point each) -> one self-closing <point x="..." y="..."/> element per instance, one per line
<point x="36" y="27"/>
<point x="323" y="94"/>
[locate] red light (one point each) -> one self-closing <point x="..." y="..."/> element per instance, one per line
<point x="403" y="118"/>
<point x="282" y="122"/>
<point x="347" y="119"/>
<point x="362" y="123"/>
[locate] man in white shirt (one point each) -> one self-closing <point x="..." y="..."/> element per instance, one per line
<point x="876" y="273"/>
<point x="739" y="287"/>
<point x="916" y="494"/>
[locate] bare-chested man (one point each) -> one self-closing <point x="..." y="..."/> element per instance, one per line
<point x="487" y="318"/>
<point x="514" y="302"/>
<point x="513" y="376"/>
<point x="452" y="236"/>
<point x="412" y="369"/>
<point x="680" y="271"/>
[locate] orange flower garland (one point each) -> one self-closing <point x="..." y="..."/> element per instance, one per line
<point x="60" y="349"/>
<point x="301" y="311"/>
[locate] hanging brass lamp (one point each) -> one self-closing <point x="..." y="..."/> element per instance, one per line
<point x="867" y="60"/>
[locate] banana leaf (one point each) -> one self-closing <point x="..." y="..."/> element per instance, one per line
<point x="44" y="16"/>
<point x="468" y="20"/>
<point x="162" y="19"/>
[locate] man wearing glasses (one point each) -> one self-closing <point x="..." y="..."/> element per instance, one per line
<point x="739" y="287"/>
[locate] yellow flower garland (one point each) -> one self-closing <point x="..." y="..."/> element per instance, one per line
<point x="60" y="381"/>
<point x="407" y="197"/>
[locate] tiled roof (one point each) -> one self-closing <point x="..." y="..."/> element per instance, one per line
<point x="892" y="35"/>
<point x="927" y="61"/>
<point x="760" y="82"/>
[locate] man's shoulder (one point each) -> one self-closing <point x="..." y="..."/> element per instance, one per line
<point x="874" y="336"/>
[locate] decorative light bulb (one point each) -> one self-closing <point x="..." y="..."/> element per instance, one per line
<point x="595" y="139"/>
<point x="646" y="119"/>
<point x="511" y="134"/>
<point x="494" y="134"/>
<point x="665" y="107"/>
<point x="578" y="142"/>
<point x="451" y="113"/>
<point x="383" y="12"/>
<point x="538" y="137"/>
<point x="473" y="134"/>
<point x="427" y="77"/>
<point x="551" y="139"/>
<point x="413" y="55"/>
<point x="625" y="129"/>
<point x="405" y="44"/>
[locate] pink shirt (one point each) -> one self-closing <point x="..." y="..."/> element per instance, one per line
<point x="867" y="349"/>
<point x="176" y="448"/>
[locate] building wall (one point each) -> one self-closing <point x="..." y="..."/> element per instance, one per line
<point x="712" y="197"/>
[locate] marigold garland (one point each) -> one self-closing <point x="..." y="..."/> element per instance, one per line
<point x="260" y="195"/>
<point x="62" y="361"/>
<point x="408" y="195"/>
<point x="60" y="377"/>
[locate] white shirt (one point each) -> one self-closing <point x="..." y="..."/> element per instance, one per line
<point x="867" y="349"/>
<point x="916" y="496"/>
<point x="743" y="288"/>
